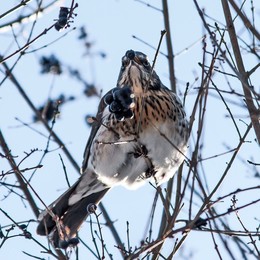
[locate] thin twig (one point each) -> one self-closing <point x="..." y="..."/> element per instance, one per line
<point x="245" y="20"/>
<point x="169" y="45"/>
<point x="26" y="46"/>
<point x="39" y="116"/>
<point x="23" y="184"/>
<point x="253" y="112"/>
<point x="15" y="8"/>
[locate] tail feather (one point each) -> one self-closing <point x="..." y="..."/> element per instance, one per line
<point x="71" y="209"/>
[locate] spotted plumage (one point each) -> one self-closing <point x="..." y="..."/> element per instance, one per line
<point x="139" y="134"/>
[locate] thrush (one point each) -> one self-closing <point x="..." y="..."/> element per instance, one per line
<point x="139" y="134"/>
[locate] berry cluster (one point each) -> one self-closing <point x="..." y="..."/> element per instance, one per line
<point x="120" y="102"/>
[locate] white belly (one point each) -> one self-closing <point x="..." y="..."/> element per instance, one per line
<point x="122" y="161"/>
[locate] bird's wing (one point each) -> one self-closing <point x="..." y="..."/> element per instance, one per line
<point x="95" y="126"/>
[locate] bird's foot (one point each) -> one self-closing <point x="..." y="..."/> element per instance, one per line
<point x="72" y="242"/>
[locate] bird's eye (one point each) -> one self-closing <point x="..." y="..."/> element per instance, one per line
<point x="146" y="63"/>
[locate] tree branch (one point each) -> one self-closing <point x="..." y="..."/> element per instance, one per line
<point x="253" y="111"/>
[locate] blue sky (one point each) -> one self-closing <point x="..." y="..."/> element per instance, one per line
<point x="110" y="26"/>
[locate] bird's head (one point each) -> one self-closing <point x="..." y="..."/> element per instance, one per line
<point x="137" y="72"/>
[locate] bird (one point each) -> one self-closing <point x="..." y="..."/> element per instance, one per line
<point x="139" y="134"/>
